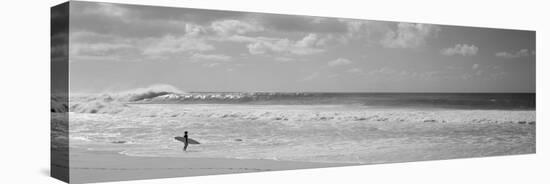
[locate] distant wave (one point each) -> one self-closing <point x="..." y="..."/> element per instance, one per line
<point x="227" y="97"/>
<point x="97" y="105"/>
<point x="148" y="95"/>
<point x="115" y="102"/>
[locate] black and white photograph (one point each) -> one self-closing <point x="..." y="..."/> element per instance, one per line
<point x="156" y="92"/>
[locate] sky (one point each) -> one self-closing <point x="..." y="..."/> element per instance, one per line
<point x="119" y="47"/>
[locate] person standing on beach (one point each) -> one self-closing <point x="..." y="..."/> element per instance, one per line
<point x="186" y="142"/>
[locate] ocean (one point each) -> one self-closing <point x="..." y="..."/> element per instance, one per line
<point x="313" y="127"/>
<point x="517" y="101"/>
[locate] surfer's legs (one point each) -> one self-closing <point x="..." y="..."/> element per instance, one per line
<point x="185" y="147"/>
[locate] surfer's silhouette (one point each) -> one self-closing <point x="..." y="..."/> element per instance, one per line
<point x="186" y="142"/>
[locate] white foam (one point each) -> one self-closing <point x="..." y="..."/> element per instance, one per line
<point x="79" y="138"/>
<point x="303" y="133"/>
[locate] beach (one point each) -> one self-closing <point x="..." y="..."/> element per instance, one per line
<point x="117" y="140"/>
<point x="116" y="167"/>
<point x="383" y="141"/>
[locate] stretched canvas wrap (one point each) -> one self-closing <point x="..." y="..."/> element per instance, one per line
<point x="143" y="92"/>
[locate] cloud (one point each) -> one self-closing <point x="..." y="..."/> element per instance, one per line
<point x="237" y="38"/>
<point x="363" y="28"/>
<point x="120" y="20"/>
<point x="312" y="76"/>
<point x="479" y="72"/>
<point x="210" y="60"/>
<point x="354" y="26"/>
<point x="211" y="65"/>
<point x="339" y="62"/>
<point x="97" y="46"/>
<point x="517" y="54"/>
<point x="104" y="52"/>
<point x="109" y="9"/>
<point x="141" y="21"/>
<point x="261" y="46"/>
<point x="475" y="66"/>
<point x="301" y="24"/>
<point x="174" y="45"/>
<point x="210" y="57"/>
<point x="307" y="41"/>
<point x="155" y="33"/>
<point x="231" y="27"/>
<point x="195" y="30"/>
<point x="354" y="70"/>
<point x="409" y="35"/>
<point x="99" y="49"/>
<point x="398" y="74"/>
<point x="305" y="46"/>
<point x="93" y="46"/>
<point x="461" y="49"/>
<point x="387" y="71"/>
<point x="284" y="59"/>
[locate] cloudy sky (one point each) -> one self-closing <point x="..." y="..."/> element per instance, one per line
<point x="118" y="47"/>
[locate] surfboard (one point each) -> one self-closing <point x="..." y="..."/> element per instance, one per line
<point x="182" y="139"/>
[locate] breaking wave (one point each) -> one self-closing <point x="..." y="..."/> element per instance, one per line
<point x="115" y="102"/>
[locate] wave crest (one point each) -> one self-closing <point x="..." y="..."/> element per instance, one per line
<point x="115" y="102"/>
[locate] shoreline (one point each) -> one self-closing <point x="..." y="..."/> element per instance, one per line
<point x="119" y="167"/>
<point x="242" y="138"/>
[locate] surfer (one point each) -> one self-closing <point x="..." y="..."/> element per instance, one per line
<point x="186" y="142"/>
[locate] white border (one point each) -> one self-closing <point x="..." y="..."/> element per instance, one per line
<point x="25" y="90"/>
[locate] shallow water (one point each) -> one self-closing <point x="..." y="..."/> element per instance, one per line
<point x="316" y="133"/>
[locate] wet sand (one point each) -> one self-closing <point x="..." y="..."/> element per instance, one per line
<point x="104" y="166"/>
